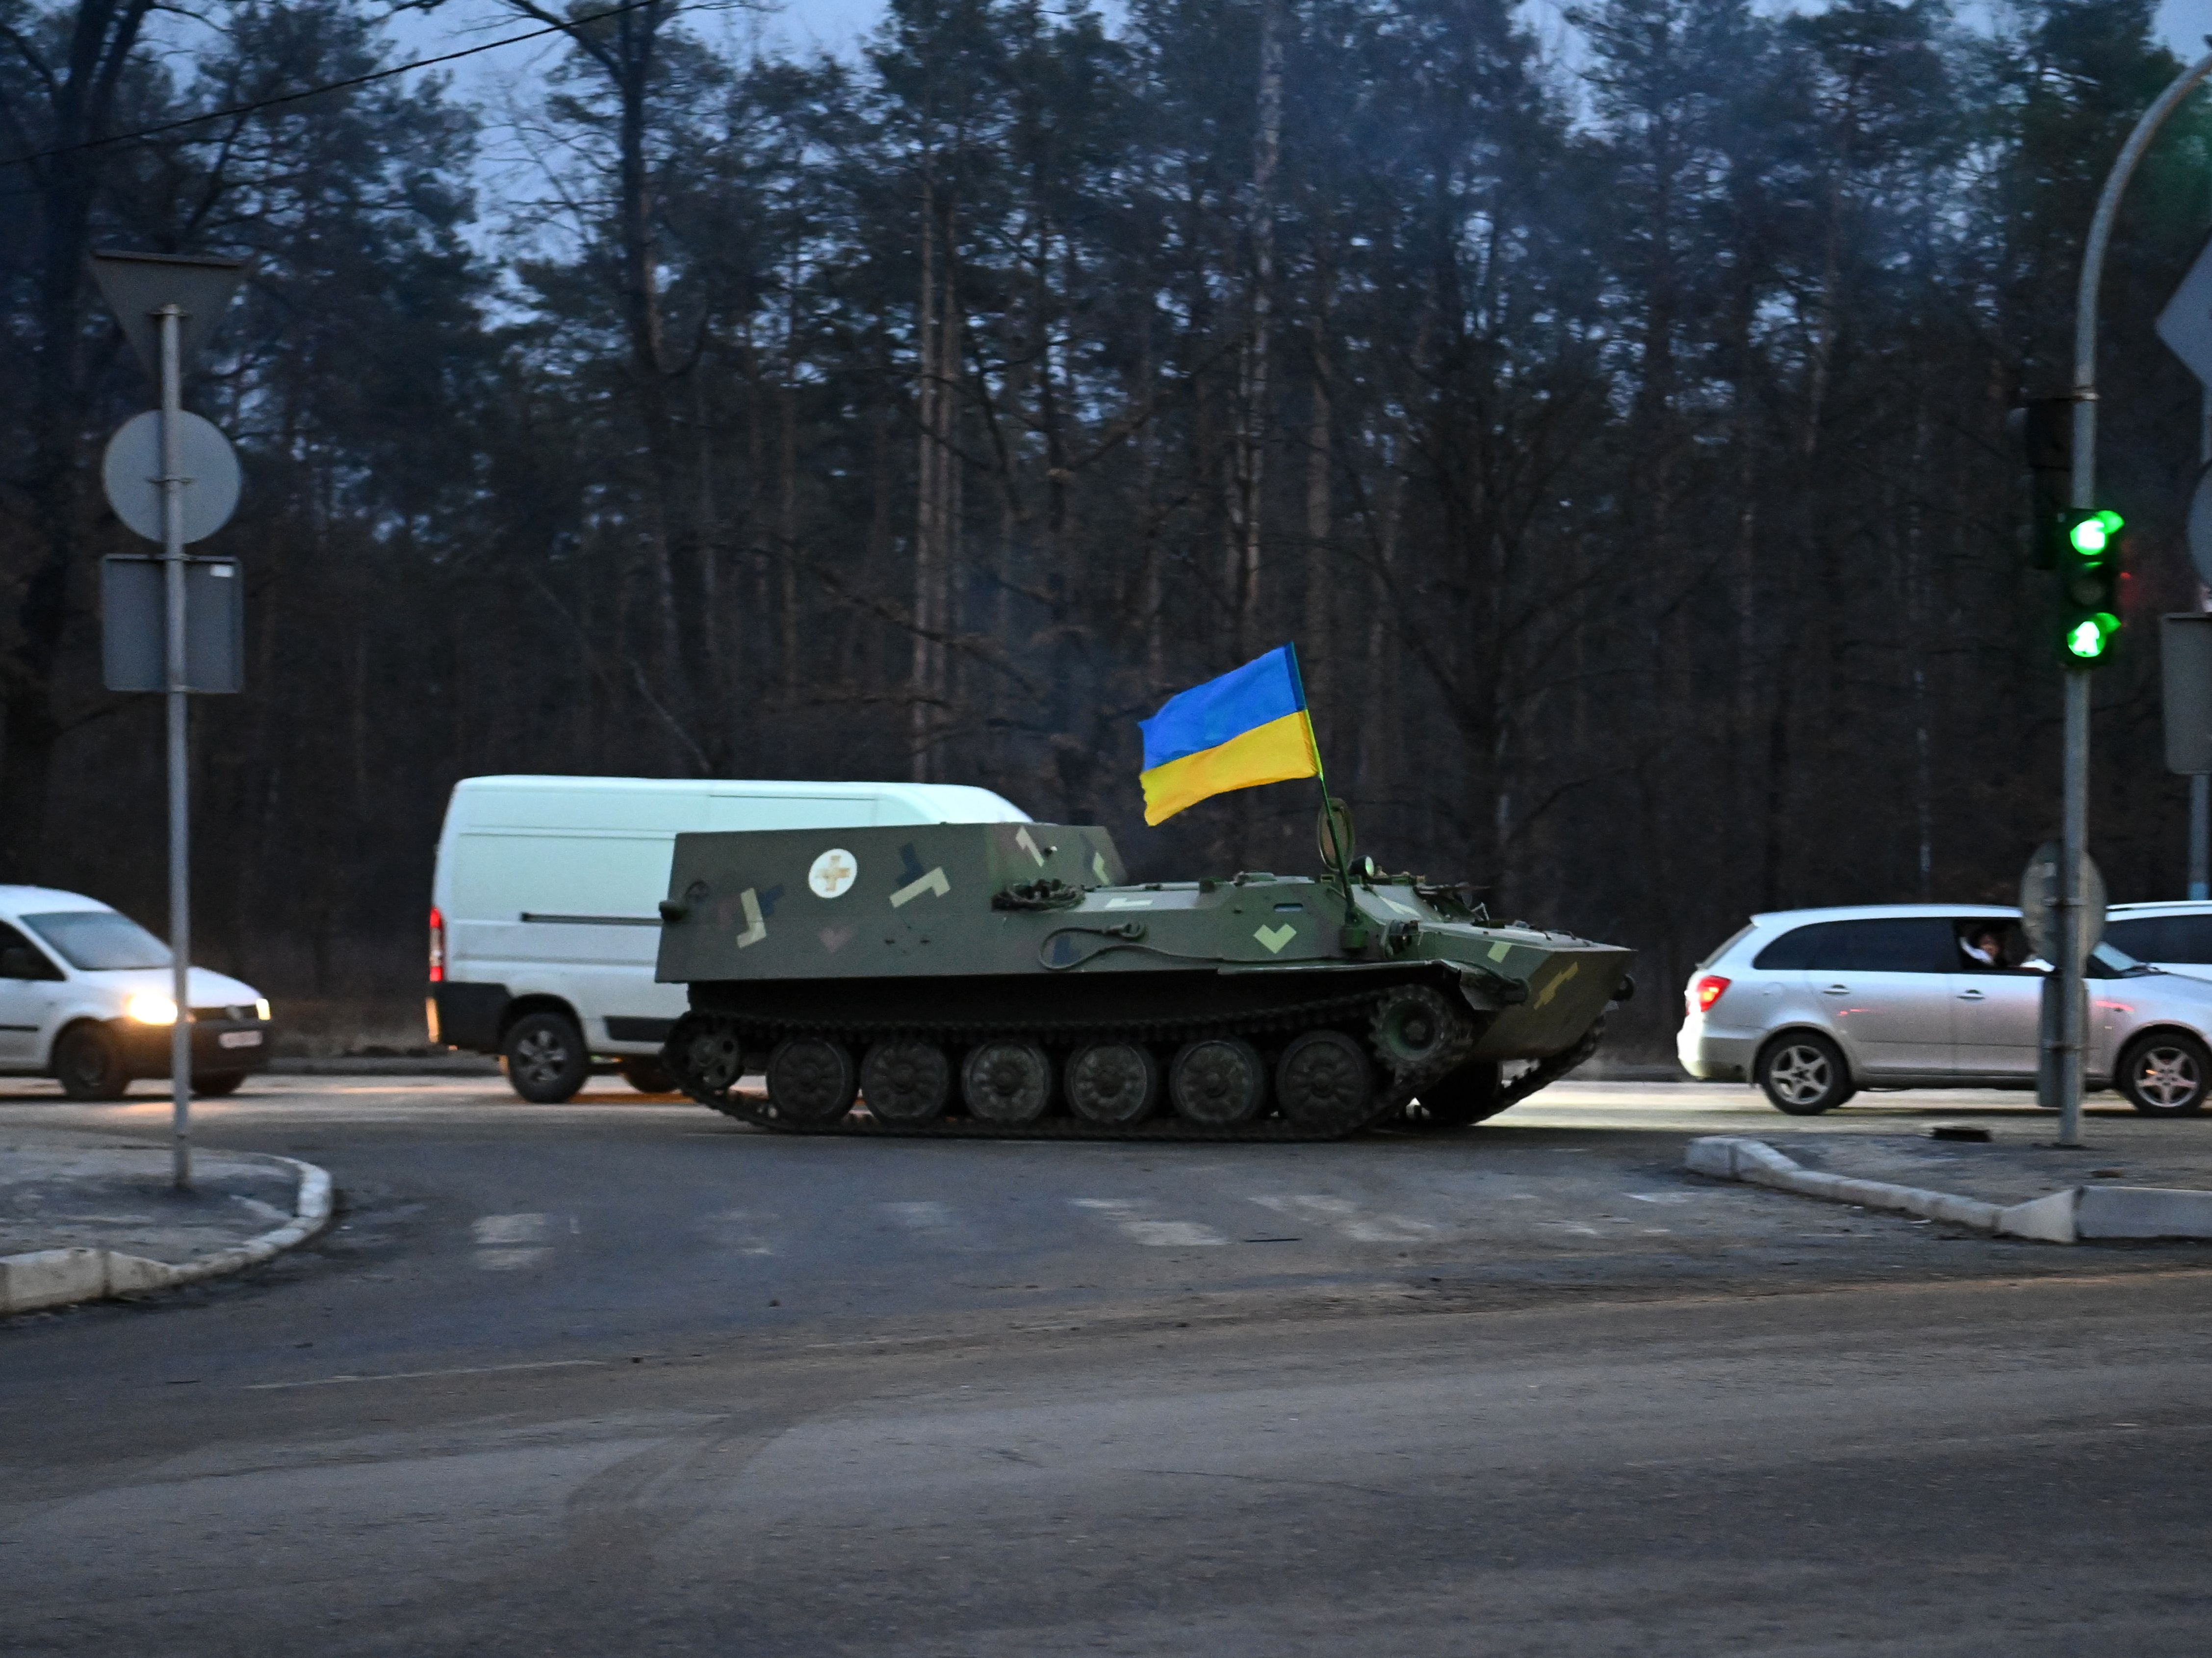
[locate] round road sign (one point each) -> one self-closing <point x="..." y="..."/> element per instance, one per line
<point x="2038" y="902"/>
<point x="132" y="472"/>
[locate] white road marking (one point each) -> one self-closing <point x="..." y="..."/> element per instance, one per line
<point x="509" y="1243"/>
<point x="739" y="1228"/>
<point x="1158" y="1233"/>
<point x="921" y="1217"/>
<point x="1344" y="1215"/>
<point x="419" y="1375"/>
<point x="1662" y="1196"/>
<point x="511" y="1229"/>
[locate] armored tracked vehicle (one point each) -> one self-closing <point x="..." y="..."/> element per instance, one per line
<point x="1006" y="979"/>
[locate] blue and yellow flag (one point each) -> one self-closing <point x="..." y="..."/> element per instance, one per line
<point x="1247" y="727"/>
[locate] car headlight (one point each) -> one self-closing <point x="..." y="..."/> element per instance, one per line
<point x="261" y="1009"/>
<point x="149" y="1009"/>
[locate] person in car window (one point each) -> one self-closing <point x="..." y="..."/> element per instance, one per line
<point x="1982" y="947"/>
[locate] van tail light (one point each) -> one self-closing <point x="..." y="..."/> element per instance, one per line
<point x="437" y="946"/>
<point x="1707" y="992"/>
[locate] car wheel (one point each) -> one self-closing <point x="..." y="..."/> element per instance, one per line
<point x="89" y="1063"/>
<point x="2164" y="1074"/>
<point x="1804" y="1074"/>
<point x="544" y="1059"/>
<point x="217" y="1084"/>
<point x="648" y="1076"/>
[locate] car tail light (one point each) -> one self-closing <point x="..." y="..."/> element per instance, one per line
<point x="437" y="946"/>
<point x="1707" y="992"/>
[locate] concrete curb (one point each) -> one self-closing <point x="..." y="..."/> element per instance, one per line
<point x="2067" y="1217"/>
<point x="55" y="1278"/>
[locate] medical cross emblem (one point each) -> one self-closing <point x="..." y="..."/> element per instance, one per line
<point x="833" y="873"/>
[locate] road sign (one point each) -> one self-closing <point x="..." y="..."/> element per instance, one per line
<point x="137" y="286"/>
<point x="2185" y="324"/>
<point x="133" y="471"/>
<point x="134" y="624"/>
<point x="2038" y="903"/>
<point x="2185" y="658"/>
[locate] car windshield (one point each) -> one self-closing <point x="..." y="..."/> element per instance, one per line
<point x="97" y="940"/>
<point x="2118" y="962"/>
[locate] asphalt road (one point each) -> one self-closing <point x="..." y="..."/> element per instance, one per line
<point x="620" y="1376"/>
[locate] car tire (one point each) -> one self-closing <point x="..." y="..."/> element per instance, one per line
<point x="1804" y="1074"/>
<point x="544" y="1059"/>
<point x="2165" y="1074"/>
<point x="648" y="1076"/>
<point x="217" y="1083"/>
<point x="89" y="1063"/>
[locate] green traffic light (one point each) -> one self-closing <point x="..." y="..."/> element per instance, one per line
<point x="2087" y="639"/>
<point x="2092" y="536"/>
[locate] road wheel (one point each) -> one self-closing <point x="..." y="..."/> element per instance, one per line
<point x="2164" y="1074"/>
<point x="707" y="1055"/>
<point x="647" y="1075"/>
<point x="1219" y="1081"/>
<point x="217" y="1084"/>
<point x="544" y="1059"/>
<point x="1113" y="1083"/>
<point x="1324" y="1082"/>
<point x="906" y="1080"/>
<point x="1415" y="1027"/>
<point x="1468" y="1096"/>
<point x="1804" y="1074"/>
<point x="812" y="1080"/>
<point x="89" y="1063"/>
<point x="1008" y="1082"/>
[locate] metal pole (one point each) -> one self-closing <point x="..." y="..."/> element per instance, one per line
<point x="2200" y="835"/>
<point x="180" y="912"/>
<point x="2074" y="843"/>
<point x="2200" y="787"/>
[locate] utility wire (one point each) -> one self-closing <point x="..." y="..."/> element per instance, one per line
<point x="332" y="86"/>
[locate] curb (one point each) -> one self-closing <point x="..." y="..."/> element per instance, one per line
<point x="55" y="1278"/>
<point x="2067" y="1217"/>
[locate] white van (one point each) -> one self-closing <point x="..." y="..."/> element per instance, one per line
<point x="544" y="911"/>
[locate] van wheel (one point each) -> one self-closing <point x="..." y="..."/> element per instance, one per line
<point x="646" y="1076"/>
<point x="544" y="1059"/>
<point x="2164" y="1074"/>
<point x="89" y="1063"/>
<point x="1804" y="1074"/>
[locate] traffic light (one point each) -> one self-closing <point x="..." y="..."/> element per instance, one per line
<point x="2088" y="559"/>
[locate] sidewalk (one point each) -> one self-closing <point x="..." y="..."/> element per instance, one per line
<point x="84" y="1215"/>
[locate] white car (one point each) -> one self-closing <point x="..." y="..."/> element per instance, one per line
<point x="85" y="999"/>
<point x="1813" y="1004"/>
<point x="2174" y="936"/>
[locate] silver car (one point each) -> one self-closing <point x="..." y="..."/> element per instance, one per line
<point x="1813" y="1004"/>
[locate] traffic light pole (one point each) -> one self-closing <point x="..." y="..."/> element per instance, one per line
<point x="2073" y="839"/>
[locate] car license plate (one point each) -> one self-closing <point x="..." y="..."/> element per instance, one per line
<point x="239" y="1039"/>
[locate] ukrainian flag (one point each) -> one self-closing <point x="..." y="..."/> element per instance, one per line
<point x="1247" y="727"/>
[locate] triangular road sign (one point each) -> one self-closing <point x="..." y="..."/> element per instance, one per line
<point x="2185" y="324"/>
<point x="137" y="285"/>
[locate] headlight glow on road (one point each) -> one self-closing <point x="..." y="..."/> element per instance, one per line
<point x="150" y="1008"/>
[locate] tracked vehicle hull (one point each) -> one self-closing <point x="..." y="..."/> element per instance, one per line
<point x="1005" y="980"/>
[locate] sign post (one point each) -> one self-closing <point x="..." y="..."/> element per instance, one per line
<point x="167" y="304"/>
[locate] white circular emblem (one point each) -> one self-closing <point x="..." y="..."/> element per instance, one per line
<point x="833" y="872"/>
